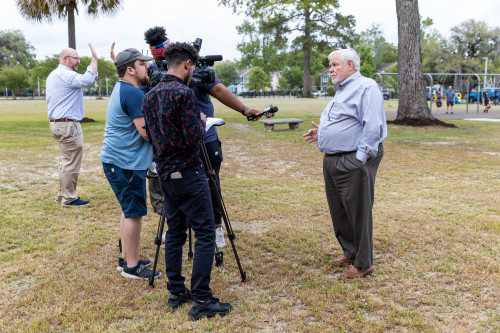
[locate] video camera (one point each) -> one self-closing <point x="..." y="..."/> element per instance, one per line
<point x="203" y="74"/>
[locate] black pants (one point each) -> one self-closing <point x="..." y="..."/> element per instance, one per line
<point x="214" y="151"/>
<point x="349" y="189"/>
<point x="189" y="198"/>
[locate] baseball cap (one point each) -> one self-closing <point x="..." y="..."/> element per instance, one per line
<point x="130" y="55"/>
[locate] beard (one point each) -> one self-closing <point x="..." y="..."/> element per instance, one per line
<point x="340" y="77"/>
<point x="145" y="80"/>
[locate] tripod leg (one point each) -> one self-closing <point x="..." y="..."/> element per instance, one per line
<point x="159" y="233"/>
<point x="212" y="179"/>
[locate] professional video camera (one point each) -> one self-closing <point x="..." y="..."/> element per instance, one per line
<point x="155" y="73"/>
<point x="203" y="74"/>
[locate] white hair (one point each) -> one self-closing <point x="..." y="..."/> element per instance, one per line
<point x="346" y="55"/>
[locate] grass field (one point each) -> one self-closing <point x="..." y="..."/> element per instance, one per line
<point x="436" y="234"/>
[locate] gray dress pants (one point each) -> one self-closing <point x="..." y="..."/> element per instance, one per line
<point x="349" y="189"/>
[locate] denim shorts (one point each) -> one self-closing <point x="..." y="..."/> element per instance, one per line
<point x="130" y="189"/>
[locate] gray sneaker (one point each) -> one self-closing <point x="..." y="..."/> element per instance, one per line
<point x="121" y="262"/>
<point x="140" y="271"/>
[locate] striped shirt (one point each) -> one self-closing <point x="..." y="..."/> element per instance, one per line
<point x="64" y="93"/>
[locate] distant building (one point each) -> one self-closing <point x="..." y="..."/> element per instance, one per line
<point x="240" y="81"/>
<point x="324" y="77"/>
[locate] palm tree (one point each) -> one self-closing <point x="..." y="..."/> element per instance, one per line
<point x="45" y="10"/>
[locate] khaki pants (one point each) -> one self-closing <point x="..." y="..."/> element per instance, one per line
<point x="69" y="136"/>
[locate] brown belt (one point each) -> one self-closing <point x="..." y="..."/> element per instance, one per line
<point x="60" y="120"/>
<point x="341" y="153"/>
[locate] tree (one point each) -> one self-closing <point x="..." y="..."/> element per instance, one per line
<point x="106" y="69"/>
<point x="367" y="61"/>
<point x="226" y="72"/>
<point x="264" y="45"/>
<point x="43" y="69"/>
<point x="45" y="10"/>
<point x="257" y="79"/>
<point x="15" y="50"/>
<point x="412" y="106"/>
<point x="15" y="78"/>
<point x="313" y="20"/>
<point x="294" y="76"/>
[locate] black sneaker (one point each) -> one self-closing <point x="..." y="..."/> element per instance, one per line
<point x="209" y="309"/>
<point x="140" y="271"/>
<point x="121" y="262"/>
<point x="177" y="300"/>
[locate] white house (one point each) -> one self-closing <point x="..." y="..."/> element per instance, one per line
<point x="241" y="80"/>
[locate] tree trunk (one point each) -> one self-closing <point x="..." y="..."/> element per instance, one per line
<point x="306" y="47"/>
<point x="99" y="94"/>
<point x="411" y="85"/>
<point x="71" y="27"/>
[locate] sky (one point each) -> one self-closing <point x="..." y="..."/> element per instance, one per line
<point x="190" y="19"/>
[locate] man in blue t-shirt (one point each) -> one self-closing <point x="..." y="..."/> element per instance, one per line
<point x="126" y="155"/>
<point x="450" y="99"/>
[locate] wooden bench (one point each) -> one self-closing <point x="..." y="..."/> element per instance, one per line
<point x="293" y="123"/>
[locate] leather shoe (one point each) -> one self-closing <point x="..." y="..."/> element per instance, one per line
<point x="355" y="272"/>
<point x="342" y="261"/>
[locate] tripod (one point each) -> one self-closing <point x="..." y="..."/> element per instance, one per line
<point x="219" y="255"/>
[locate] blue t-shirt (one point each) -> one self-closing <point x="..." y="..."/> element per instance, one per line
<point x="123" y="145"/>
<point x="206" y="106"/>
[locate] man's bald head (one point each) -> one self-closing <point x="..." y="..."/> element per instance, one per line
<point x="69" y="58"/>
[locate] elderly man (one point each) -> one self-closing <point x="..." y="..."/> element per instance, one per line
<point x="64" y="97"/>
<point x="350" y="133"/>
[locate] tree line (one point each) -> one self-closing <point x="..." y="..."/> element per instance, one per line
<point x="20" y="71"/>
<point x="266" y="47"/>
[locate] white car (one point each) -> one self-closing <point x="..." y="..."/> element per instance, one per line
<point x="319" y="93"/>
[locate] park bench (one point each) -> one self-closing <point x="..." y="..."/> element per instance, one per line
<point x="293" y="123"/>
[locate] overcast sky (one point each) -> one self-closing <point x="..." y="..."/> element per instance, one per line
<point x="186" y="20"/>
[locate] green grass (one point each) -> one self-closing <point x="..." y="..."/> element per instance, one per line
<point x="436" y="232"/>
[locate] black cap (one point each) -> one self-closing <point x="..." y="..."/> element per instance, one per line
<point x="130" y="55"/>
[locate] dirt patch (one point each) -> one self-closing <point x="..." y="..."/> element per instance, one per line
<point x="253" y="227"/>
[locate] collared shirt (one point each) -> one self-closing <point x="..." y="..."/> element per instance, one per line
<point x="173" y="125"/>
<point x="64" y="93"/>
<point x="123" y="145"/>
<point x="354" y="120"/>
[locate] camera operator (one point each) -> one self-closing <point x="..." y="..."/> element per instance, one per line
<point x="157" y="39"/>
<point x="176" y="129"/>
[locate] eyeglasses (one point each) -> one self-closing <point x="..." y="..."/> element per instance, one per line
<point x="76" y="58"/>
